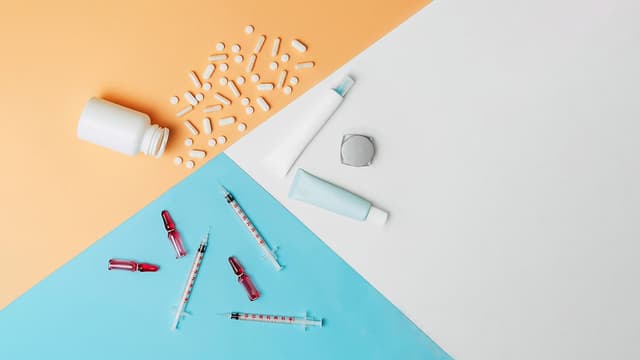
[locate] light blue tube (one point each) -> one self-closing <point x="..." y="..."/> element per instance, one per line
<point x="318" y="192"/>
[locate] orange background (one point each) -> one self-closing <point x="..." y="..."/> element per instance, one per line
<point x="60" y="194"/>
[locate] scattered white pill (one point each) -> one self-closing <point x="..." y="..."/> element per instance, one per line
<point x="174" y="100"/>
<point x="212" y="142"/>
<point x="238" y="59"/>
<point x="273" y="65"/>
<point x="223" y="81"/>
<point x="191" y="128"/>
<point x="206" y="125"/>
<point x="255" y="78"/>
<point x="241" y="127"/>
<point x="281" y="78"/>
<point x="177" y="161"/>
<point x="218" y="57"/>
<point x="249" y="29"/>
<point x="207" y="86"/>
<point x="233" y="88"/>
<point x="276" y="47"/>
<point x="227" y="121"/>
<point x="265" y="86"/>
<point x="235" y="48"/>
<point x="188" y="142"/>
<point x="189" y="164"/>
<point x="223" y="99"/>
<point x="298" y="45"/>
<point x="194" y="79"/>
<point x="199" y="97"/>
<point x="200" y="154"/>
<point x="212" y="108"/>
<point x="285" y="57"/>
<point x="240" y="80"/>
<point x="190" y="98"/>
<point x="249" y="110"/>
<point x="208" y="71"/>
<point x="287" y="90"/>
<point x="224" y="67"/>
<point x="251" y="63"/>
<point x="184" y="111"/>
<point x="263" y="103"/>
<point x="259" y="44"/>
<point x="294" y="80"/>
<point x="220" y="46"/>
<point x="305" y="65"/>
<point x="222" y="139"/>
<point x="245" y="101"/>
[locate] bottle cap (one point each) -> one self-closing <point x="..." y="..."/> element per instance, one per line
<point x="377" y="216"/>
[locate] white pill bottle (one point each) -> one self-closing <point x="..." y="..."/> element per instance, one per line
<point x="121" y="129"/>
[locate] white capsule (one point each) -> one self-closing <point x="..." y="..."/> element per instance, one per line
<point x="220" y="46"/>
<point x="206" y="125"/>
<point x="189" y="164"/>
<point x="238" y="59"/>
<point x="194" y="79"/>
<point x="207" y="86"/>
<point x="233" y="88"/>
<point x="235" y="48"/>
<point x="199" y="154"/>
<point x="287" y="90"/>
<point x="259" y="44"/>
<point x="190" y="98"/>
<point x="249" y="29"/>
<point x="174" y="100"/>
<point x="240" y="80"/>
<point x="212" y="142"/>
<point x="177" y="161"/>
<point x="184" y="110"/>
<point x="188" y="142"/>
<point x="227" y="121"/>
<point x="224" y="67"/>
<point x="199" y="97"/>
<point x="251" y="63"/>
<point x="213" y="108"/>
<point x="285" y="57"/>
<point x="298" y="45"/>
<point x="191" y="128"/>
<point x="255" y="78"/>
<point x="305" y="65"/>
<point x="218" y="57"/>
<point x="222" y="98"/>
<point x="245" y="101"/>
<point x="208" y="71"/>
<point x="276" y="47"/>
<point x="273" y="65"/>
<point x="222" y="139"/>
<point x="263" y="103"/>
<point x="223" y="81"/>
<point x="294" y="80"/>
<point x="249" y="110"/>
<point x="265" y="86"/>
<point x="241" y="127"/>
<point x="281" y="78"/>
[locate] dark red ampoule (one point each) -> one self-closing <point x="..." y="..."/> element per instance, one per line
<point x="243" y="278"/>
<point x="174" y="236"/>
<point x="130" y="265"/>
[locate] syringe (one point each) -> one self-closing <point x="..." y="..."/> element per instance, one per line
<point x="276" y="319"/>
<point x="251" y="228"/>
<point x="193" y="274"/>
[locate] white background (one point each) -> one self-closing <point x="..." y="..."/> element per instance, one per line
<point x="507" y="136"/>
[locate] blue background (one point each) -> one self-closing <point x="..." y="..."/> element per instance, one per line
<point x="84" y="311"/>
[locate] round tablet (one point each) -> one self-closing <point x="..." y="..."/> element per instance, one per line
<point x="177" y="161"/>
<point x="224" y="67"/>
<point x="207" y="86"/>
<point x="199" y="96"/>
<point x="294" y="80"/>
<point x="189" y="164"/>
<point x="240" y="80"/>
<point x="255" y="78"/>
<point x="174" y="100"/>
<point x="286" y="89"/>
<point x="242" y="127"/>
<point x="222" y="139"/>
<point x="238" y="59"/>
<point x="220" y="46"/>
<point x="235" y="48"/>
<point x="188" y="142"/>
<point x="249" y="29"/>
<point x="249" y="110"/>
<point x="273" y="65"/>
<point x="245" y="101"/>
<point x="285" y="57"/>
<point x="223" y="81"/>
<point x="212" y="142"/>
